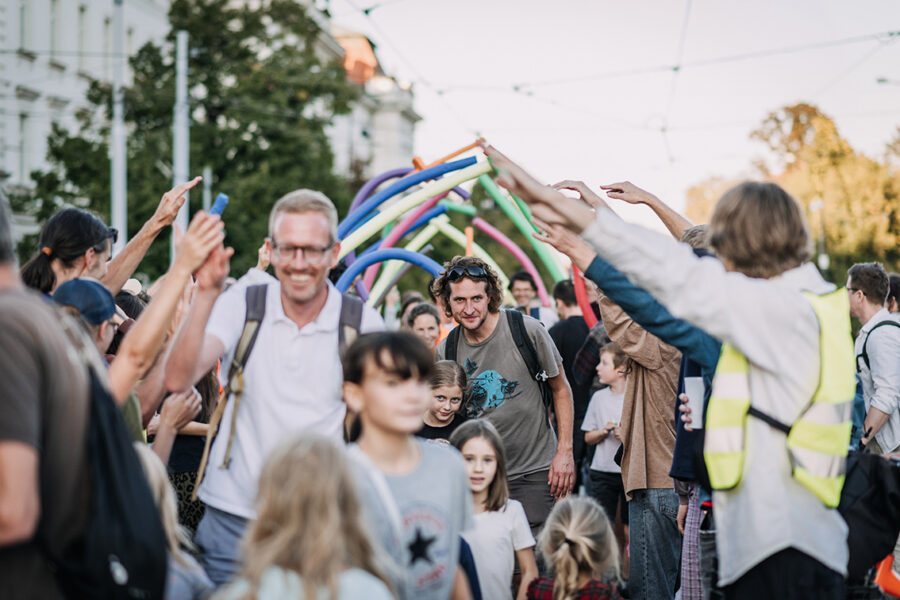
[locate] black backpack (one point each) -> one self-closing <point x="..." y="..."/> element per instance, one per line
<point x="123" y="552"/>
<point x="864" y="355"/>
<point x="870" y="504"/>
<point x="523" y="343"/>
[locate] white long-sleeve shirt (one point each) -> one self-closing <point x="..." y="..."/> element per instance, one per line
<point x="775" y="327"/>
<point x="881" y="379"/>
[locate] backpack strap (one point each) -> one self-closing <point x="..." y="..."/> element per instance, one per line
<point x="451" y="346"/>
<point x="350" y="321"/>
<point x="255" y="296"/>
<point x="526" y="349"/>
<point x="865" y="354"/>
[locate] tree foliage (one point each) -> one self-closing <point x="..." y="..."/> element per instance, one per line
<point x="262" y="93"/>
<point x="851" y="197"/>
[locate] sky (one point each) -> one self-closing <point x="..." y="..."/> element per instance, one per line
<point x="586" y="89"/>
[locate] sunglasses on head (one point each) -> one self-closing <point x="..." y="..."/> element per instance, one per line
<point x="473" y="271"/>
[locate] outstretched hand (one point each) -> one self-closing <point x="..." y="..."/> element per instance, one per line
<point x="172" y="201"/>
<point x="204" y="234"/>
<point x="628" y="192"/>
<point x="566" y="242"/>
<point x="547" y="204"/>
<point x="586" y="193"/>
<point x="212" y="275"/>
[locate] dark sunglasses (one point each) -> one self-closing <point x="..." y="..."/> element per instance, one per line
<point x="473" y="271"/>
<point x="113" y="234"/>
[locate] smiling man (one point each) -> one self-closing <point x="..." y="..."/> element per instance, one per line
<point x="292" y="379"/>
<point x="504" y="392"/>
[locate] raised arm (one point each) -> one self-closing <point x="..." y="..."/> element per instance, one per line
<point x="674" y="221"/>
<point x="194" y="352"/>
<point x="729" y="306"/>
<point x="123" y="265"/>
<point x="142" y="344"/>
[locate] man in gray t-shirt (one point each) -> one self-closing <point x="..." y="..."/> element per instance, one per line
<point x="540" y="465"/>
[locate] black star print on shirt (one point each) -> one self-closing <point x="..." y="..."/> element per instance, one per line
<point x="418" y="548"/>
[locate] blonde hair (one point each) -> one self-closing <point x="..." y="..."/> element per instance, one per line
<point x="309" y="518"/>
<point x="304" y="201"/>
<point x="576" y="539"/>
<point x="760" y="230"/>
<point x="164" y="496"/>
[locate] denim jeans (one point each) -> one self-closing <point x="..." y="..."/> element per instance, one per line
<point x="655" y="544"/>
<point x="218" y="540"/>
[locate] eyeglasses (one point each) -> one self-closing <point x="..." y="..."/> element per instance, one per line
<point x="311" y="254"/>
<point x="850" y="289"/>
<point x="113" y="234"/>
<point x="473" y="271"/>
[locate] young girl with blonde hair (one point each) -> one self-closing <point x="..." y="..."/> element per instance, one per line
<point x="308" y="540"/>
<point x="186" y="579"/>
<point x="577" y="544"/>
<point x="501" y="532"/>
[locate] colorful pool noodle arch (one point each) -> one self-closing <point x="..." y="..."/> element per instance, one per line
<point x="420" y="260"/>
<point x="440" y="224"/>
<point x="363" y="220"/>
<point x="483" y="226"/>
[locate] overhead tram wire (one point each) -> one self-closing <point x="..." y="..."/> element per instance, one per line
<point x="880" y="36"/>
<point x="673" y="86"/>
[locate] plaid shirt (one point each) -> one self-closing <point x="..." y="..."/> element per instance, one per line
<point x="542" y="589"/>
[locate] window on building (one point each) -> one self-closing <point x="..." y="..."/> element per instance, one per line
<point x="54" y="28"/>
<point x="24" y="25"/>
<point x="82" y="35"/>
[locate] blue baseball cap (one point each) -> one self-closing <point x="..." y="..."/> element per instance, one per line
<point x="89" y="297"/>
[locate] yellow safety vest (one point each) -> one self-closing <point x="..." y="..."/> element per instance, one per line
<point x="818" y="440"/>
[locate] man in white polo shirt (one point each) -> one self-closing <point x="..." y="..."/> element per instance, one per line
<point x="292" y="378"/>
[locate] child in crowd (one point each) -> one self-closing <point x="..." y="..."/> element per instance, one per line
<point x="309" y="540"/>
<point x="601" y="425"/>
<point x="448" y="387"/>
<point x="414" y="493"/>
<point x="424" y="321"/>
<point x="186" y="579"/>
<point x="501" y="529"/>
<point x="578" y="545"/>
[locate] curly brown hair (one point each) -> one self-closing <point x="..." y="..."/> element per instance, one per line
<point x="440" y="287"/>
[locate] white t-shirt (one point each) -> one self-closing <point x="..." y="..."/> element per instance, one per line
<point x="605" y="406"/>
<point x="494" y="540"/>
<point x="292" y="383"/>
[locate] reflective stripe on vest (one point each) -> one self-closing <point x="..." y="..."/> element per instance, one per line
<point x="819" y="438"/>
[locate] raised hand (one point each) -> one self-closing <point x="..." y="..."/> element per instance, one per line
<point x="586" y="193"/>
<point x="547" y="204"/>
<point x="628" y="192"/>
<point x="566" y="242"/>
<point x="263" y="257"/>
<point x="172" y="201"/>
<point x="212" y="275"/>
<point x="204" y="234"/>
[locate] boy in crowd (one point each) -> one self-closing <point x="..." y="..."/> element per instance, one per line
<point x="416" y="494"/>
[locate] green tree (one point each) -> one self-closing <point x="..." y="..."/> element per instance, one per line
<point x="261" y="97"/>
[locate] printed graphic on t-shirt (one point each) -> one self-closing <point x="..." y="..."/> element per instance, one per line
<point x="428" y="553"/>
<point x="489" y="389"/>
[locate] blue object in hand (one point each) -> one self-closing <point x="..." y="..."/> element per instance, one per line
<point x="219" y="205"/>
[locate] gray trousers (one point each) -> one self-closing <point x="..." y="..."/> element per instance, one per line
<point x="218" y="539"/>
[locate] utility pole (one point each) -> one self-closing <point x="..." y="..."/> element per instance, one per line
<point x="207" y="187"/>
<point x="119" y="164"/>
<point x="181" y="128"/>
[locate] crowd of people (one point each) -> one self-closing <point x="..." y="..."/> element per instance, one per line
<point x="267" y="436"/>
